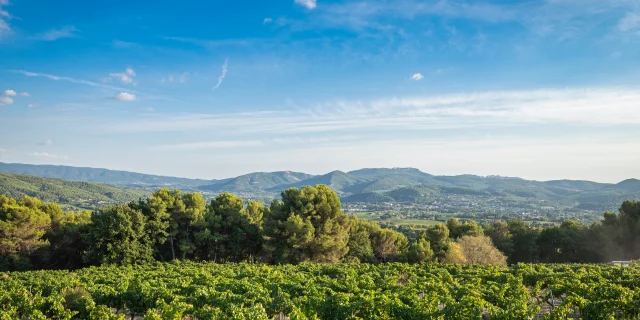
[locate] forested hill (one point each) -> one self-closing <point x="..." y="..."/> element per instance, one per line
<point x="72" y="194"/>
<point x="376" y="185"/>
<point x="114" y="177"/>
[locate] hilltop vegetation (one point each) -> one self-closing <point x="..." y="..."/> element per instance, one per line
<point x="74" y="194"/>
<point x="305" y="225"/>
<point x="114" y="177"/>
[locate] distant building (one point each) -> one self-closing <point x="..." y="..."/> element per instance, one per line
<point x="621" y="263"/>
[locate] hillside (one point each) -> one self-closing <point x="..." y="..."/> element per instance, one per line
<point x="118" y="178"/>
<point x="257" y="181"/>
<point x="74" y="194"/>
<point x="336" y="180"/>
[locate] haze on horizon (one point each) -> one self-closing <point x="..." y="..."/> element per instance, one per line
<point x="540" y="90"/>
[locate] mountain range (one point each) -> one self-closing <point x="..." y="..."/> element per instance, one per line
<point x="372" y="185"/>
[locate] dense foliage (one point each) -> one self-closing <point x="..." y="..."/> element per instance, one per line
<point x="306" y="225"/>
<point x="187" y="290"/>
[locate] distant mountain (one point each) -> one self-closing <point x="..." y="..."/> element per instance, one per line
<point x="375" y="185"/>
<point x="336" y="180"/>
<point x="629" y="185"/>
<point x="257" y="182"/>
<point x="119" y="178"/>
<point x="76" y="194"/>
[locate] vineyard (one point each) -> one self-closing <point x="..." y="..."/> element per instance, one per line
<point x="189" y="290"/>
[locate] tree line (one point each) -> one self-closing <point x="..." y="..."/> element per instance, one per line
<point x="304" y="225"/>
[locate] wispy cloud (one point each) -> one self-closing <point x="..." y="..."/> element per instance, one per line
<point x="125" y="96"/>
<point x="206" y="145"/>
<point x="494" y="109"/>
<point x="223" y="75"/>
<point x="55" y="34"/>
<point x="5" y="28"/>
<point x="93" y="84"/>
<point x="125" y="77"/>
<point x="309" y="4"/>
<point x="631" y="21"/>
<point x="47" y="155"/>
<point x="182" y="78"/>
<point x="124" y="44"/>
<point x="267" y="20"/>
<point x="25" y="94"/>
<point x="67" y="79"/>
<point x="211" y="43"/>
<point x="417" y="76"/>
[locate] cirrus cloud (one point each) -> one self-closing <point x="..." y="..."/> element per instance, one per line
<point x="47" y="155"/>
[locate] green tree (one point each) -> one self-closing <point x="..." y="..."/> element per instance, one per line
<point x="117" y="235"/>
<point x="524" y="238"/>
<point x="389" y="245"/>
<point x="455" y="228"/>
<point x="420" y="251"/>
<point x="22" y="227"/>
<point x="230" y="232"/>
<point x="66" y="241"/>
<point x="471" y="228"/>
<point x="176" y="216"/>
<point x="566" y="243"/>
<point x="255" y="212"/>
<point x="360" y="237"/>
<point x="307" y="225"/>
<point x="438" y="236"/>
<point x="500" y="236"/>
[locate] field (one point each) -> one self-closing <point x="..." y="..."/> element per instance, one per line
<point x="190" y="290"/>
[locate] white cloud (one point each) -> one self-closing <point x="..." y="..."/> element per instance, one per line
<point x="223" y="75"/>
<point x="55" y="34"/>
<point x="417" y="77"/>
<point x="47" y="155"/>
<point x="630" y="21"/>
<point x="47" y="143"/>
<point x="125" y="96"/>
<point x="32" y="105"/>
<point x="309" y="4"/>
<point x="206" y="145"/>
<point x="5" y="101"/>
<point x="125" y="77"/>
<point x="10" y="93"/>
<point x="267" y="20"/>
<point x="25" y="94"/>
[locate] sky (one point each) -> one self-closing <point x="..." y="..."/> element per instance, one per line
<point x="541" y="90"/>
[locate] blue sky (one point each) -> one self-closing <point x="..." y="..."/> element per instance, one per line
<point x="212" y="89"/>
